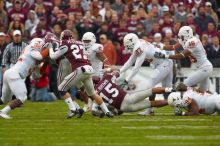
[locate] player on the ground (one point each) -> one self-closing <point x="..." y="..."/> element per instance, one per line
<point x="194" y="102"/>
<point x="13" y="79"/>
<point x="124" y="101"/>
<point x="82" y="70"/>
<point x="193" y="49"/>
<point x="141" y="51"/>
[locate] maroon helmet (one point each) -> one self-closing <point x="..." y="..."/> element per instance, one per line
<point x="66" y="35"/>
<point x="50" y="37"/>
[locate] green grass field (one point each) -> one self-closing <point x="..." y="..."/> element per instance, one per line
<point x="44" y="124"/>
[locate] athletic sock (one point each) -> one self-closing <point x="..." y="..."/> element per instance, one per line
<point x="70" y="104"/>
<point x="104" y="108"/>
<point x="6" y="109"/>
<point x="76" y="104"/>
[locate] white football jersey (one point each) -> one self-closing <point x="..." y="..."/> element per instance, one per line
<point x="25" y="63"/>
<point x="148" y="50"/>
<point x="199" y="56"/>
<point x="97" y="64"/>
<point x="206" y="102"/>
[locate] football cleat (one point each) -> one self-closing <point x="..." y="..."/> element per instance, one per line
<point x="98" y="113"/>
<point x="71" y="114"/>
<point x="79" y="113"/>
<point x="4" y="116"/>
<point x="109" y="115"/>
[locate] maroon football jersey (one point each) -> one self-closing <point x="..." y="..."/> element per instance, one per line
<point x="75" y="53"/>
<point x="110" y="91"/>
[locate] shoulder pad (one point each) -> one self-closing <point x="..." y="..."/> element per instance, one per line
<point x="191" y="43"/>
<point x="97" y="47"/>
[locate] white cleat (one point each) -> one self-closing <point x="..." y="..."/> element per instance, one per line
<point x="147" y="112"/>
<point x="4" y="116"/>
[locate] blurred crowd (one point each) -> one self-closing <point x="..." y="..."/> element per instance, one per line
<point x="157" y="21"/>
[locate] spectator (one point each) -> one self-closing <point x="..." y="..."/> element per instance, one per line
<point x="107" y="7"/>
<point x="31" y="22"/>
<point x="13" y="50"/>
<point x="131" y="24"/>
<point x="155" y="29"/>
<point x="40" y="10"/>
<point x="154" y="3"/>
<point x="105" y="30"/>
<point x="169" y="36"/>
<point x="17" y="10"/>
<point x="95" y="8"/>
<point x="114" y="24"/>
<point x="71" y="26"/>
<point x="87" y="25"/>
<point x="215" y="53"/>
<point x="202" y="19"/>
<point x="135" y="5"/>
<point x="157" y="41"/>
<point x="57" y="29"/>
<point x="211" y="12"/>
<point x="16" y="24"/>
<point x="181" y="13"/>
<point x="41" y="29"/>
<point x="211" y="31"/>
<point x="166" y="22"/>
<point x="3" y="17"/>
<point x="74" y="7"/>
<point x="141" y="14"/>
<point x="54" y="15"/>
<point x="108" y="49"/>
<point x="190" y="21"/>
<point x="40" y="83"/>
<point x="108" y="16"/>
<point x="207" y="46"/>
<point x="140" y="30"/>
<point x="2" y="48"/>
<point x="118" y="6"/>
<point x="170" y="6"/>
<point x="120" y="32"/>
<point x="175" y="29"/>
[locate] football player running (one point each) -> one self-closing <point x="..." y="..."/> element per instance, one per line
<point x="193" y="49"/>
<point x="82" y="70"/>
<point x="194" y="102"/>
<point x="141" y="51"/>
<point x="13" y="79"/>
<point x="96" y="57"/>
<point x="124" y="101"/>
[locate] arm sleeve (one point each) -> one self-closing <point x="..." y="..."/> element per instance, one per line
<point x="58" y="52"/>
<point x="36" y="55"/>
<point x="137" y="66"/>
<point x="6" y="56"/>
<point x="129" y="63"/>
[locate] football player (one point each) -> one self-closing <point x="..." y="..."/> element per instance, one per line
<point x="193" y="49"/>
<point x="124" y="101"/>
<point x="13" y="79"/>
<point x="141" y="51"/>
<point x="194" y="102"/>
<point x="74" y="51"/>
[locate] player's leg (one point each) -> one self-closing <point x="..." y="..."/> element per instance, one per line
<point x="168" y="82"/>
<point x="91" y="92"/>
<point x="217" y="104"/>
<point x="198" y="76"/>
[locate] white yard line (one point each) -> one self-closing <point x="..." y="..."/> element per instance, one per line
<point x="183" y="137"/>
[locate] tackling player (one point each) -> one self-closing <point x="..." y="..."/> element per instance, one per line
<point x="82" y="70"/>
<point x="125" y="101"/>
<point x="194" y="102"/>
<point x="193" y="49"/>
<point x="13" y="79"/>
<point x="141" y="51"/>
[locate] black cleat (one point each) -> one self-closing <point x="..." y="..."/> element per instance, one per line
<point x="79" y="113"/>
<point x="71" y="114"/>
<point x="109" y="115"/>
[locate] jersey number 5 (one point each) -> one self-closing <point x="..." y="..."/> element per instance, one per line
<point x="76" y="51"/>
<point x="111" y="90"/>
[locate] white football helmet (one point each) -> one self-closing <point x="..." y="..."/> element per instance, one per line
<point x="185" y="33"/>
<point x="37" y="43"/>
<point x="174" y="99"/>
<point x="130" y="40"/>
<point x="88" y="39"/>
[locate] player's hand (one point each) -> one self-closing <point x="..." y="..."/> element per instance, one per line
<point x="47" y="45"/>
<point x="124" y="84"/>
<point x="159" y="55"/>
<point x="168" y="89"/>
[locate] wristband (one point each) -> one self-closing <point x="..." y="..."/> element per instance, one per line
<point x="167" y="56"/>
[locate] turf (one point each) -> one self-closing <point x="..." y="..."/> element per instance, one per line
<point x="44" y="124"/>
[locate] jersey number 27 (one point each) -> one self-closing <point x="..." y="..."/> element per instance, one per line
<point x="77" y="51"/>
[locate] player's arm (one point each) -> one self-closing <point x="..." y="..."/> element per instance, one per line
<point x="177" y="56"/>
<point x="161" y="90"/>
<point x="55" y="53"/>
<point x="6" y="57"/>
<point x="101" y="56"/>
<point x="39" y="55"/>
<point x="129" y="63"/>
<point x="172" y="47"/>
<point x="193" y="108"/>
<point x="139" y="61"/>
